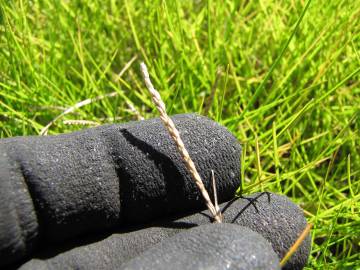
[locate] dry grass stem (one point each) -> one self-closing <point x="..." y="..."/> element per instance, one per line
<point x="78" y="105"/>
<point x="126" y="67"/>
<point x="296" y="245"/>
<point x="133" y="110"/>
<point x="81" y="122"/>
<point x="216" y="204"/>
<point x="87" y="101"/>
<point x="174" y="133"/>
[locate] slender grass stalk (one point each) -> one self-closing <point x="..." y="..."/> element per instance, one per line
<point x="296" y="245"/>
<point x="175" y="135"/>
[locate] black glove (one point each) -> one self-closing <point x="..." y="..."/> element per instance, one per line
<point x="57" y="189"/>
<point x="279" y="221"/>
<point x="211" y="246"/>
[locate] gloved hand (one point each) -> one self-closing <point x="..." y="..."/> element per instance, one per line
<point x="279" y="221"/>
<point x="58" y="191"/>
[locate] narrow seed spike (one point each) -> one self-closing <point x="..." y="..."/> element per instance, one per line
<point x="174" y="133"/>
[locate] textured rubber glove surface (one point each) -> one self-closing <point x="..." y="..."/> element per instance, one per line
<point x="55" y="188"/>
<point x="211" y="246"/>
<point x="279" y="221"/>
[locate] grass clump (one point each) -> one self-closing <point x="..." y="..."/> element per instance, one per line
<point x="287" y="88"/>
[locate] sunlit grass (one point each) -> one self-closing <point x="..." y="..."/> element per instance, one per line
<point x="288" y="88"/>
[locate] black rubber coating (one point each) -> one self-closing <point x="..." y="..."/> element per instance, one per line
<point x="211" y="246"/>
<point x="279" y="221"/>
<point x="60" y="187"/>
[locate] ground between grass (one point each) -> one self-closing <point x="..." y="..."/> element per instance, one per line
<point x="283" y="76"/>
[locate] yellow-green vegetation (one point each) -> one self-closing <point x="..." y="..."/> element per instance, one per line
<point x="284" y="77"/>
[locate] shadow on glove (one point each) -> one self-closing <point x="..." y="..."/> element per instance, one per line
<point x="57" y="188"/>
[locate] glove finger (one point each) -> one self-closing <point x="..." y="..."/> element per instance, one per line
<point x="107" y="176"/>
<point x="211" y="246"/>
<point x="279" y="221"/>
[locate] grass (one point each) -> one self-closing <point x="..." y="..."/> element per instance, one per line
<point x="287" y="85"/>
